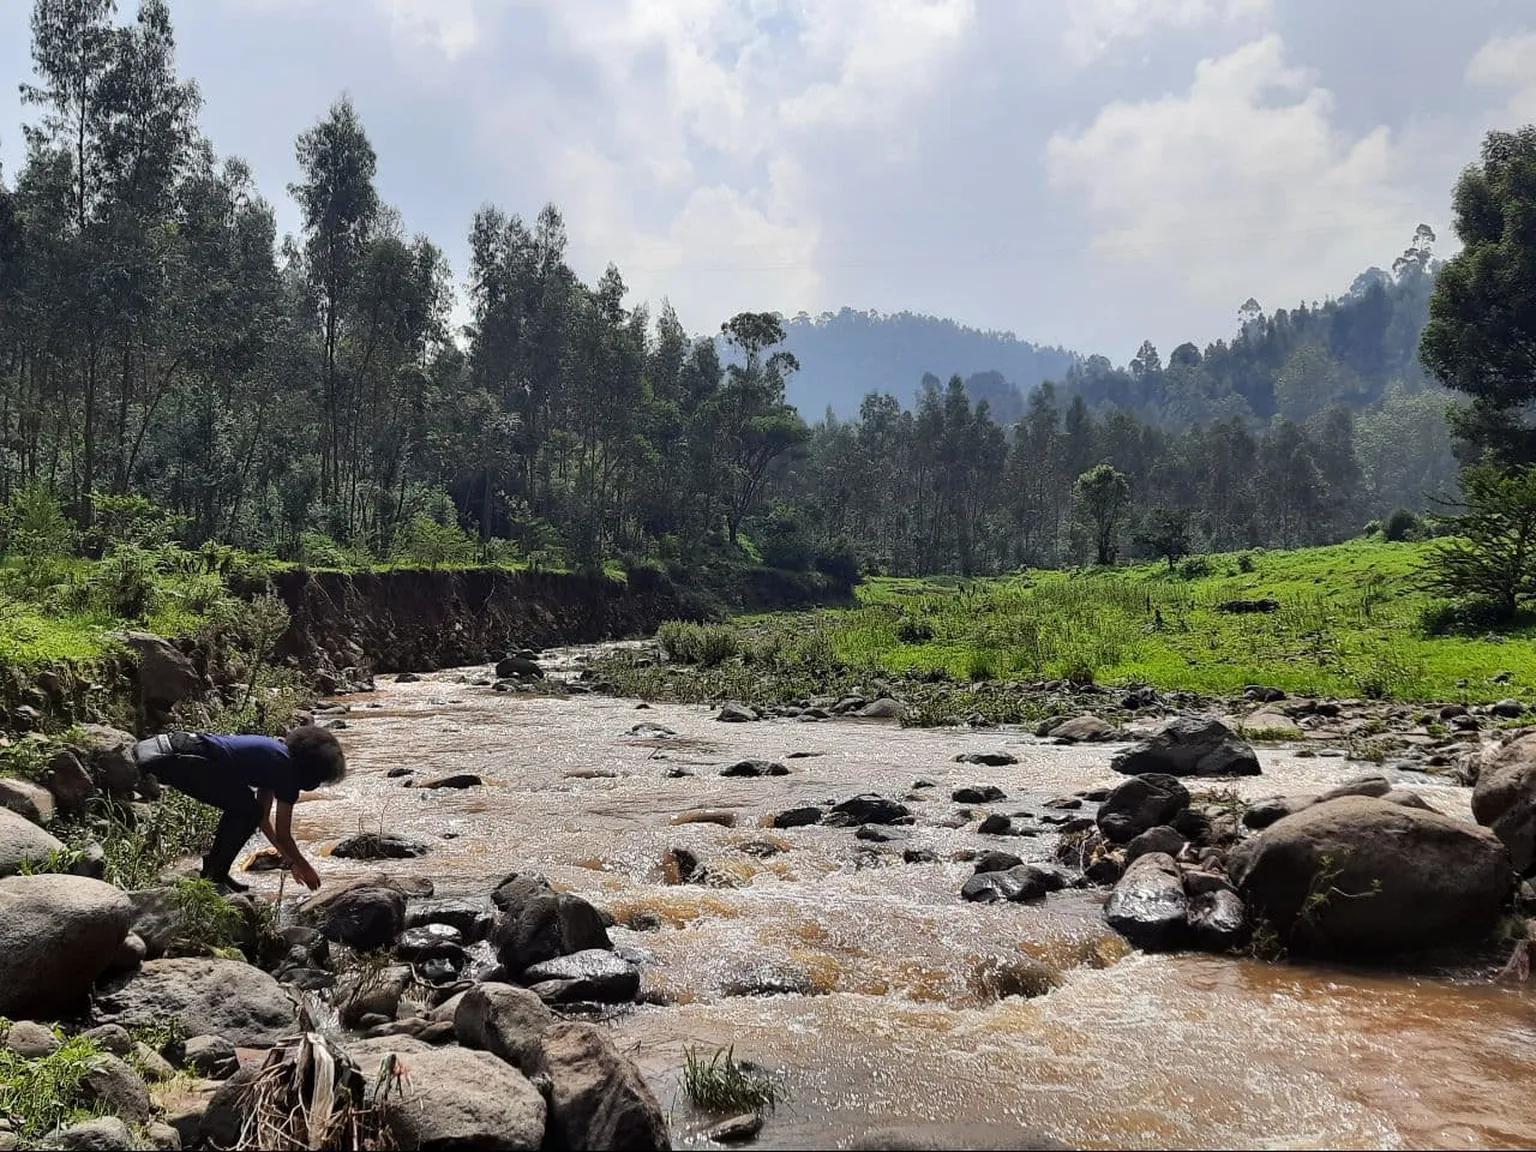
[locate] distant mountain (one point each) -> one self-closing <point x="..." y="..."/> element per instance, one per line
<point x="847" y="355"/>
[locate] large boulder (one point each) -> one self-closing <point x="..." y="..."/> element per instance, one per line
<point x="504" y="1021"/>
<point x="1189" y="746"/>
<point x="108" y="753"/>
<point x="22" y="841"/>
<point x="1086" y="729"/>
<point x="597" y="1097"/>
<point x="1141" y="803"/>
<point x="457" y="1098"/>
<point x="365" y="915"/>
<point x="537" y="924"/>
<point x="1360" y="876"/>
<point x="1505" y="798"/>
<point x="209" y="997"/>
<point x="58" y="934"/>
<point x="1149" y="906"/>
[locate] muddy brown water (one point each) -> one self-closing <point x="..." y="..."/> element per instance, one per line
<point x="890" y="1022"/>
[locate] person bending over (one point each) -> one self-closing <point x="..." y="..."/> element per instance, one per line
<point x="242" y="776"/>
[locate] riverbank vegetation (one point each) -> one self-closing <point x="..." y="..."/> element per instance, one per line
<point x="1353" y="620"/>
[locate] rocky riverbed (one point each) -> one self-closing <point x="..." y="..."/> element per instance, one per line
<point x="914" y="928"/>
<point x="847" y="959"/>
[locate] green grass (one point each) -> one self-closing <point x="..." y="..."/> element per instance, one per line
<point x="722" y="1086"/>
<point x="38" y="1096"/>
<point x="1349" y="625"/>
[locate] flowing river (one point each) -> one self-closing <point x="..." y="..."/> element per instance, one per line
<point x="883" y="1016"/>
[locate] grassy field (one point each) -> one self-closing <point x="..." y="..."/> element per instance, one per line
<point x="1350" y="623"/>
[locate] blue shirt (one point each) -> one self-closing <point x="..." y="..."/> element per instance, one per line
<point x="260" y="762"/>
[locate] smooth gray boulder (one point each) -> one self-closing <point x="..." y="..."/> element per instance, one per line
<point x="58" y="934"/>
<point x="210" y="997"/>
<point x="23" y="842"/>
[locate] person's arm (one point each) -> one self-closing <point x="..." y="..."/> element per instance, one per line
<point x="264" y="802"/>
<point x="280" y="832"/>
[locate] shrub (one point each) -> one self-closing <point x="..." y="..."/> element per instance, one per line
<point x="1402" y="525"/>
<point x="1194" y="568"/>
<point x="704" y="644"/>
<point x="125" y="583"/>
<point x="39" y="1096"/>
<point x="910" y="631"/>
<point x="426" y="542"/>
<point x="1245" y="562"/>
<point x="839" y="563"/>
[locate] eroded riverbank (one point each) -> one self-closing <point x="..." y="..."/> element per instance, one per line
<point x="895" y="1024"/>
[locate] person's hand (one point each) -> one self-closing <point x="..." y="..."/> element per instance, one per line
<point x="306" y="875"/>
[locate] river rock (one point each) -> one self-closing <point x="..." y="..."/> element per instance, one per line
<point x="1262" y="813"/>
<point x="750" y="768"/>
<point x="22" y="841"/>
<point x="505" y="1021"/>
<point x="379" y="846"/>
<point x="58" y="934"/>
<point x="1086" y="729"/>
<point x="1024" y="978"/>
<point x="30" y="1040"/>
<point x="1217" y="918"/>
<point x="987" y="759"/>
<point x="538" y="924"/>
<point x="472" y="917"/>
<point x="993" y="861"/>
<point x="363" y="915"/>
<point x="978" y="794"/>
<point x="1409" y="799"/>
<point x="597" y="1097"/>
<point x="518" y="668"/>
<point x="1022" y="882"/>
<point x="867" y="809"/>
<point x="1374" y="786"/>
<point x="1164" y="839"/>
<point x="736" y="714"/>
<point x="1189" y="746"/>
<point x="430" y="942"/>
<point x="109" y="1084"/>
<point x="995" y="824"/>
<point x="209" y="997"/>
<point x="798" y="818"/>
<point x="736" y="1130"/>
<point x="1143" y="802"/>
<point x="882" y="709"/>
<point x="458" y="781"/>
<point x="211" y="1057"/>
<point x="104" y="1134"/>
<point x="1504" y="798"/>
<point x="1148" y="906"/>
<point x="458" y="1098"/>
<point x="28" y="800"/>
<point x="1397" y="878"/>
<point x="594" y="976"/>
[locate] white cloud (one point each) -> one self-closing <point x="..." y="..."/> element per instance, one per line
<point x="1242" y="184"/>
<point x="451" y="27"/>
<point x="1509" y="63"/>
<point x="1095" y="25"/>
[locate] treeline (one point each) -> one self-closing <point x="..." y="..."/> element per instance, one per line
<point x="305" y="394"/>
<point x="947" y="488"/>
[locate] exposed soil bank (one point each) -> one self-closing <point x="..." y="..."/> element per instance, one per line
<point x="420" y="621"/>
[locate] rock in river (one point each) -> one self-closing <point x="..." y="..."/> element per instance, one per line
<point x="1018" y="884"/>
<point x="457" y="1098"/>
<point x="1189" y="746"/>
<point x="749" y="768"/>
<point x="867" y="809"/>
<point x="597" y="1097"/>
<point x="1148" y="907"/>
<point x="538" y="924"/>
<point x="1395" y="878"/>
<point x="379" y="846"/>
<point x="362" y="915"/>
<point x="987" y="759"/>
<point x="1142" y="802"/>
<point x="978" y="794"/>
<point x="595" y="975"/>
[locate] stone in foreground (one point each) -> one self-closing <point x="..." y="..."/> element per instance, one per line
<point x="1141" y="803"/>
<point x="1393" y="878"/>
<point x="209" y="997"/>
<point x="456" y="1098"/>
<point x="58" y="934"/>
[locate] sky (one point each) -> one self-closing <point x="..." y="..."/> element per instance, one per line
<point x="1088" y="173"/>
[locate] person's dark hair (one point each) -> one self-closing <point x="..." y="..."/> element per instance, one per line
<point x="318" y="755"/>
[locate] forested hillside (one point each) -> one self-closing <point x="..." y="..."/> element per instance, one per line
<point x="161" y="343"/>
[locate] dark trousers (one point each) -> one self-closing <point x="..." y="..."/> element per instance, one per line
<point x="176" y="760"/>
